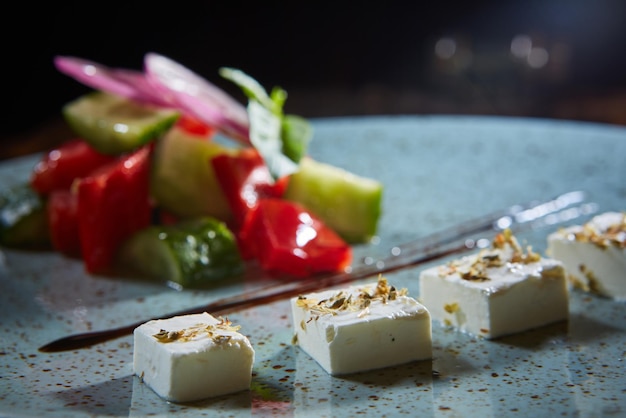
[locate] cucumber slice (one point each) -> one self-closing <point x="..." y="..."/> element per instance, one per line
<point x="23" y="219"/>
<point x="115" y="125"/>
<point x="349" y="204"/>
<point x="182" y="180"/>
<point x="191" y="253"/>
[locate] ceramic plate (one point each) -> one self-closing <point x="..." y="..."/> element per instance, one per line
<point x="438" y="172"/>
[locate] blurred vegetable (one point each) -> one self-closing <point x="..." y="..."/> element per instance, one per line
<point x="60" y="166"/>
<point x="191" y="253"/>
<point x="349" y="204"/>
<point x="244" y="179"/>
<point x="23" y="220"/>
<point x="182" y="180"/>
<point x="62" y="211"/>
<point x="113" y="204"/>
<point x="287" y="239"/>
<point x="145" y="184"/>
<point x="115" y="125"/>
<point x="281" y="139"/>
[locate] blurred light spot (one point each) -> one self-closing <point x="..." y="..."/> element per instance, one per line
<point x="90" y="69"/>
<point x="299" y="252"/>
<point x="304" y="234"/>
<point x="54" y="155"/>
<point x="590" y="208"/>
<point x="445" y="48"/>
<point x="121" y="128"/>
<point x="521" y="46"/>
<point x="504" y="222"/>
<point x="483" y="243"/>
<point x="538" y="57"/>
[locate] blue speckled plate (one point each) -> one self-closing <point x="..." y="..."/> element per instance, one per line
<point x="438" y="172"/>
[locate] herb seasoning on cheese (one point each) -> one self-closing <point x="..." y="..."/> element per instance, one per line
<point x="500" y="290"/>
<point x="214" y="331"/>
<point x="594" y="254"/>
<point x="192" y="357"/>
<point x="362" y="327"/>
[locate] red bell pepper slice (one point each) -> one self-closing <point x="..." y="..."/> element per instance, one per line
<point x="286" y="238"/>
<point x="62" y="210"/>
<point x="113" y="203"/>
<point x="244" y="179"/>
<point x="62" y="165"/>
<point x="195" y="126"/>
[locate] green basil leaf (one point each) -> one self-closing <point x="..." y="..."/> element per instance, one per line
<point x="282" y="140"/>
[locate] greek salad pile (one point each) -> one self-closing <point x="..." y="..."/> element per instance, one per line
<point x="145" y="187"/>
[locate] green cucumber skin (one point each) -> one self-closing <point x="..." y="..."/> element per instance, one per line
<point x="97" y="117"/>
<point x="349" y="204"/>
<point x="182" y="180"/>
<point x="191" y="253"/>
<point x="23" y="219"/>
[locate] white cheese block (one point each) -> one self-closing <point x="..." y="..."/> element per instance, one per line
<point x="594" y="254"/>
<point x="192" y="357"/>
<point x="362" y="328"/>
<point x="497" y="291"/>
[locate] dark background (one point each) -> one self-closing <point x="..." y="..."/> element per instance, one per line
<point x="334" y="59"/>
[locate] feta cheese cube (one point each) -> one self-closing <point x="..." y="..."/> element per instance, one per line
<point x="594" y="254"/>
<point x="362" y="328"/>
<point x="498" y="291"/>
<point x="192" y="357"/>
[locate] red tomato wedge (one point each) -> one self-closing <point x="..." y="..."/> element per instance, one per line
<point x="61" y="166"/>
<point x="244" y="179"/>
<point x="62" y="207"/>
<point x="113" y="203"/>
<point x="286" y="238"/>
